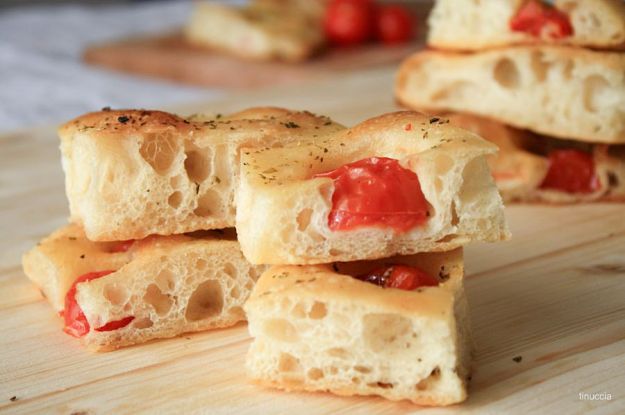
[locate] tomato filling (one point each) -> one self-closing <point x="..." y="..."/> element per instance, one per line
<point x="376" y="192"/>
<point x="122" y="246"/>
<point x="571" y="171"/>
<point x="76" y="323"/>
<point x="399" y="276"/>
<point x="539" y="19"/>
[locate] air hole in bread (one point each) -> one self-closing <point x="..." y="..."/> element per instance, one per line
<point x="338" y="352"/>
<point x="438" y="184"/>
<point x="388" y="333"/>
<point x="447" y="238"/>
<point x="334" y="370"/>
<point x="303" y="219"/>
<point x="506" y="74"/>
<point x="175" y="181"/>
<point x="455" y="220"/>
<point x="252" y="273"/>
<point x="381" y="385"/>
<point x="429" y="382"/>
<point x="318" y="311"/>
<point x="209" y="203"/>
<point x="567" y="69"/>
<point x="362" y="369"/>
<point x="230" y="270"/>
<point x="288" y="363"/>
<point x="115" y="294"/>
<point x="206" y="301"/>
<point x="356" y="380"/>
<point x="595" y="89"/>
<point x="314" y="373"/>
<point x="443" y="164"/>
<point x="142" y="323"/>
<point x="234" y="292"/>
<point x="336" y="252"/>
<point x="166" y="280"/>
<point x="539" y="65"/>
<point x="161" y="303"/>
<point x="298" y="311"/>
<point x="175" y="199"/>
<point x="281" y="330"/>
<point x="201" y="264"/>
<point x="454" y="91"/>
<point x="237" y="312"/>
<point x="197" y="164"/>
<point x="159" y="151"/>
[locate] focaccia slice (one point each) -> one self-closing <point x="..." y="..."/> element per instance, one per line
<point x="160" y="287"/>
<point x="133" y="173"/>
<point x="261" y="30"/>
<point x="283" y="210"/>
<point x="563" y="92"/>
<point x="474" y="25"/>
<point x="522" y="164"/>
<point x="316" y="328"/>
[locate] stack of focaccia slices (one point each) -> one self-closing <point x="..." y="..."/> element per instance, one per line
<point x="355" y="236"/>
<point x="558" y="72"/>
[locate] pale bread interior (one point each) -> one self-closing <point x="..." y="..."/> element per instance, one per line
<point x="475" y="25"/>
<point x="282" y="215"/>
<point x="317" y="329"/>
<point x="558" y="91"/>
<point x="132" y="173"/>
<point x="171" y="285"/>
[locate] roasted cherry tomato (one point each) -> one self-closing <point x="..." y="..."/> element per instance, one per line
<point x="394" y="24"/>
<point x="376" y="192"/>
<point x="349" y="22"/>
<point x="400" y="276"/>
<point x="122" y="246"/>
<point x="539" y="19"/>
<point x="76" y="323"/>
<point x="571" y="171"/>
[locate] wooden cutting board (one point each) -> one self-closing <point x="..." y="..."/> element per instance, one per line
<point x="553" y="298"/>
<point x="170" y="57"/>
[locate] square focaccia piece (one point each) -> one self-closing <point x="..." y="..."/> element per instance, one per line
<point x="535" y="168"/>
<point x="475" y="25"/>
<point x="114" y="294"/>
<point x="268" y="30"/>
<point x="564" y="92"/>
<point x="130" y="174"/>
<point x="397" y="184"/>
<point x="317" y="328"/>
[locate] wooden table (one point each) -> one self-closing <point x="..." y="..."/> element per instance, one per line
<point x="553" y="296"/>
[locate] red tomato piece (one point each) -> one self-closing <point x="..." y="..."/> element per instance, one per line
<point x="376" y="192"/>
<point x="394" y="24"/>
<point x="539" y="19"/>
<point x="349" y="22"/>
<point x="571" y="171"/>
<point x="122" y="246"/>
<point x="402" y="277"/>
<point x="116" y="324"/>
<point x="76" y="323"/>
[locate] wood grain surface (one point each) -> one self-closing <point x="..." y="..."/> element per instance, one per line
<point x="170" y="57"/>
<point x="554" y="296"/>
